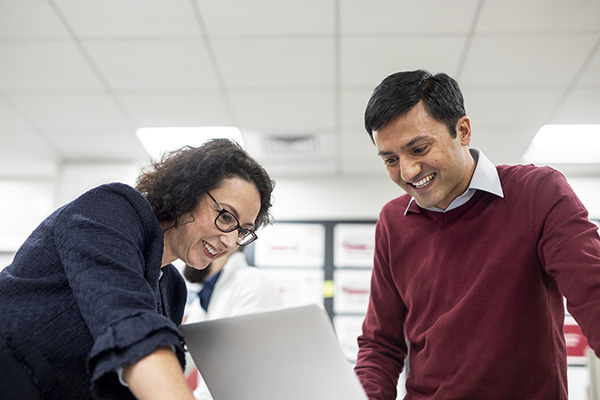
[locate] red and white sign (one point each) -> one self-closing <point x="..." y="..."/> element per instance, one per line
<point x="576" y="342"/>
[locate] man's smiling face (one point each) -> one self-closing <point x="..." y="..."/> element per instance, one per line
<point x="423" y="158"/>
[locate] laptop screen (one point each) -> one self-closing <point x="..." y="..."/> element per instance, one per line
<point x="287" y="354"/>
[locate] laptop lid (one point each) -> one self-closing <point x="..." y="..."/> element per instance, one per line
<point x="286" y="354"/>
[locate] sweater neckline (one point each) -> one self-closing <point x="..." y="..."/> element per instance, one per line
<point x="479" y="200"/>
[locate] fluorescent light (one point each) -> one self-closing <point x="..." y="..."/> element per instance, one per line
<point x="156" y="141"/>
<point x="565" y="144"/>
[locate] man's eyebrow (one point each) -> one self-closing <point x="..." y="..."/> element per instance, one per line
<point x="414" y="141"/>
<point x="411" y="143"/>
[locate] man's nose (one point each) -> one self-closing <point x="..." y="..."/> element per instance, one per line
<point x="409" y="169"/>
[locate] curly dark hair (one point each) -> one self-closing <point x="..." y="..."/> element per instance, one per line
<point x="173" y="185"/>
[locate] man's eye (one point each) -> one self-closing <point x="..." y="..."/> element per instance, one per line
<point x="390" y="161"/>
<point x="420" y="149"/>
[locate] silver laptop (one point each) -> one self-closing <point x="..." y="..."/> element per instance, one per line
<point x="287" y="354"/>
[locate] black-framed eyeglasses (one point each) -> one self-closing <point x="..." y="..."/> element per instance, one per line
<point x="227" y="222"/>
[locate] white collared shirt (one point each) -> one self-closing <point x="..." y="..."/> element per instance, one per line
<point x="485" y="177"/>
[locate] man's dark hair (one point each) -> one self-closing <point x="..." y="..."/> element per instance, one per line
<point x="400" y="92"/>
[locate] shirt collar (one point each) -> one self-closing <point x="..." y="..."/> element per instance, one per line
<point x="485" y="178"/>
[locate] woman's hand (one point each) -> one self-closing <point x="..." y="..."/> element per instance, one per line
<point x="157" y="376"/>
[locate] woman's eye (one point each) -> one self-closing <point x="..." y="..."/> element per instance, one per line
<point x="226" y="217"/>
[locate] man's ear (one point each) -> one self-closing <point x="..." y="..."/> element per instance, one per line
<point x="463" y="130"/>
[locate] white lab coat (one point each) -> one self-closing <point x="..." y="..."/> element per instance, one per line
<point x="240" y="289"/>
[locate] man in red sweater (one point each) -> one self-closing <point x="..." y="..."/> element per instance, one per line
<point x="472" y="264"/>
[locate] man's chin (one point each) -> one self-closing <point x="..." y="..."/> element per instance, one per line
<point x="424" y="203"/>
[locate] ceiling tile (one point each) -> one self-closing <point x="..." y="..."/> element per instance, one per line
<point x="285" y="112"/>
<point x="368" y="61"/>
<point x="268" y="17"/>
<point x="352" y="105"/>
<point x="580" y="107"/>
<point x="8" y="118"/>
<point x="94" y="144"/>
<point x="117" y="18"/>
<point x="320" y="161"/>
<point x="504" y="122"/>
<point x="272" y="63"/>
<point x="287" y="68"/>
<point x="29" y="19"/>
<point x="591" y="75"/>
<point x="298" y="168"/>
<point x="539" y="15"/>
<point x="44" y="66"/>
<point x="70" y="111"/>
<point x="13" y="141"/>
<point x="177" y="109"/>
<point x="493" y="107"/>
<point x="392" y="16"/>
<point x="157" y="64"/>
<point x="526" y="60"/>
<point x="502" y="144"/>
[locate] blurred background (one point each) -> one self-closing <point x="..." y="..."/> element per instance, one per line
<point x="79" y="77"/>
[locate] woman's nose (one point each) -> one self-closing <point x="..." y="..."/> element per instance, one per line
<point x="230" y="239"/>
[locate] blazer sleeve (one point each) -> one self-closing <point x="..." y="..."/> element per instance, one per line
<point x="111" y="247"/>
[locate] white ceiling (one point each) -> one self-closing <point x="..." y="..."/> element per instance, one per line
<point x="77" y="77"/>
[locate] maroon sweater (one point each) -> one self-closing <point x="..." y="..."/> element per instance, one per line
<point x="475" y="295"/>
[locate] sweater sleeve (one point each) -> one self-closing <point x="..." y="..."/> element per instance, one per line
<point x="382" y="348"/>
<point x="110" y="245"/>
<point x="569" y="250"/>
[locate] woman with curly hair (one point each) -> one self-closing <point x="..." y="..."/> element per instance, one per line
<point x="90" y="305"/>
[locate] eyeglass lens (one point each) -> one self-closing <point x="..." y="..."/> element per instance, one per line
<point x="227" y="222"/>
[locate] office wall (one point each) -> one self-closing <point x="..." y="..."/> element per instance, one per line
<point x="315" y="198"/>
<point x="332" y="198"/>
<point x="25" y="202"/>
<point x="588" y="190"/>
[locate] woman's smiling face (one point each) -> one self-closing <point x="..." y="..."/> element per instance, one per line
<point x="196" y="240"/>
<point x="423" y="158"/>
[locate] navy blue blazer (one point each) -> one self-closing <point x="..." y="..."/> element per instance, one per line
<point x="84" y="295"/>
